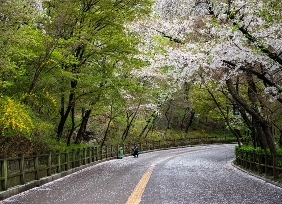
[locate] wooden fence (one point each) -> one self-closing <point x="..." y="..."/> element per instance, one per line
<point x="23" y="169"/>
<point x="260" y="163"/>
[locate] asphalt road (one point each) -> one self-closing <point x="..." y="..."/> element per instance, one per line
<point x="200" y="174"/>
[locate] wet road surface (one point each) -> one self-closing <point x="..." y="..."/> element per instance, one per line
<point x="200" y="174"/>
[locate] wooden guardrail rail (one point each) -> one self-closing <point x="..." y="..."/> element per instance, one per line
<point x="26" y="168"/>
<point x="260" y="163"/>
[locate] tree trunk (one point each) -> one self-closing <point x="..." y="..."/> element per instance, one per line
<point x="151" y="127"/>
<point x="225" y="116"/>
<point x="108" y="127"/>
<point x="260" y="120"/>
<point x="130" y="122"/>
<point x="190" y="121"/>
<point x="148" y="122"/>
<point x="72" y="127"/>
<point x="65" y="115"/>
<point x="106" y="132"/>
<point x="168" y="119"/>
<point x="262" y="142"/>
<point x="82" y="128"/>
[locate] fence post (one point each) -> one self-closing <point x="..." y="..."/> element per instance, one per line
<point x="67" y="159"/>
<point x="89" y="155"/>
<point x="274" y="161"/>
<point x="265" y="163"/>
<point x="49" y="168"/>
<point x="248" y="163"/>
<point x="80" y="157"/>
<point x="84" y="156"/>
<point x="118" y="150"/>
<point x="106" y="156"/>
<point x="73" y="159"/>
<point x="238" y="158"/>
<point x="96" y="153"/>
<point x="256" y="159"/>
<point x="102" y="152"/>
<point x="260" y="162"/>
<point x="93" y="154"/>
<point x="244" y="159"/>
<point x="241" y="157"/>
<point x="59" y="162"/>
<point x="22" y="179"/>
<point x="253" y="162"/>
<point x="36" y="167"/>
<point x="4" y="183"/>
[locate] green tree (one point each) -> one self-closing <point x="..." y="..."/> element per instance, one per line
<point x="20" y="47"/>
<point x="96" y="43"/>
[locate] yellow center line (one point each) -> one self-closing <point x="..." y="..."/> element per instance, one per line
<point x="136" y="194"/>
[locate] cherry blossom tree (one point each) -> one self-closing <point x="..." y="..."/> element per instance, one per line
<point x="235" y="42"/>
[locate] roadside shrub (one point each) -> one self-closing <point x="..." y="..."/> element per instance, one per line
<point x="15" y="118"/>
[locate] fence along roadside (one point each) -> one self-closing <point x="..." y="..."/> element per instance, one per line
<point x="23" y="170"/>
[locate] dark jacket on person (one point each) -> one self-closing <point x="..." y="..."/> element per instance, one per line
<point x="135" y="151"/>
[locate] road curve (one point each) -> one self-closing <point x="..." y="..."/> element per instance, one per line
<point x="199" y="174"/>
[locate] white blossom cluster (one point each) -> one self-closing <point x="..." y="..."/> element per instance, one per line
<point x="204" y="35"/>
